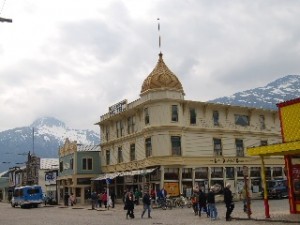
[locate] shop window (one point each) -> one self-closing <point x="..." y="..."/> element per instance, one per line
<point x="193" y="116"/>
<point x="239" y="145"/>
<point x="239" y="172"/>
<point x="229" y="172"/>
<point x="187" y="173"/>
<point x="241" y="120"/>
<point x="171" y="174"/>
<point x="176" y="145"/>
<point x="107" y="157"/>
<point x="268" y="172"/>
<point x="255" y="172"/>
<point x="148" y="146"/>
<point x="277" y="172"/>
<point x="87" y="163"/>
<point x="146" y="114"/>
<point x="216" y="172"/>
<point x="201" y="173"/>
<point x="132" y="152"/>
<point x="174" y="113"/>
<point x="217" y="147"/>
<point x="216" y="118"/>
<point x="120" y="155"/>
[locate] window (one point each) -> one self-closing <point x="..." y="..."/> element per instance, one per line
<point x="118" y="128"/>
<point x="61" y="166"/>
<point x="87" y="163"/>
<point x="240" y="172"/>
<point x="107" y="157"/>
<point x="148" y="147"/>
<point x="239" y="145"/>
<point x="176" y="145"/>
<point x="146" y="114"/>
<point x="241" y="120"/>
<point x="130" y="124"/>
<point x="121" y="129"/>
<point x="120" y="155"/>
<point x="216" y="118"/>
<point x="201" y="173"/>
<point x="192" y="116"/>
<point x="174" y="113"/>
<point x="187" y="173"/>
<point x="277" y="172"/>
<point x="107" y="133"/>
<point x="263" y="143"/>
<point x="229" y="172"/>
<point x="217" y="147"/>
<point x="171" y="174"/>
<point x="71" y="163"/>
<point x="255" y="172"/>
<point x="216" y="172"/>
<point x="262" y="122"/>
<point x="132" y="152"/>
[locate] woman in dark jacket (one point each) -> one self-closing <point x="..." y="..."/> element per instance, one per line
<point x="228" y="201"/>
<point x="202" y="202"/>
<point x="129" y="204"/>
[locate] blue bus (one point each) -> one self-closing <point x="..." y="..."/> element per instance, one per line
<point x="27" y="196"/>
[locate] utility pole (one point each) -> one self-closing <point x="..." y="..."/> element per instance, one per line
<point x="5" y="20"/>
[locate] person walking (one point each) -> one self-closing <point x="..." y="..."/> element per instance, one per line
<point x="211" y="204"/>
<point x="99" y="200"/>
<point x="129" y="205"/>
<point x="202" y="202"/>
<point x="72" y="199"/>
<point x="104" y="199"/>
<point x="113" y="198"/>
<point x="228" y="201"/>
<point x="147" y="205"/>
<point x="94" y="199"/>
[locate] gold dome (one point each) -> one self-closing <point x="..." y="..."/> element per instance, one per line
<point x="161" y="78"/>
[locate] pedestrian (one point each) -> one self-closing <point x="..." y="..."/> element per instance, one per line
<point x="147" y="205"/>
<point x="211" y="203"/>
<point x="129" y="205"/>
<point x="94" y="199"/>
<point x="246" y="200"/>
<point x="99" y="199"/>
<point x="72" y="199"/>
<point x="202" y="202"/>
<point x="228" y="201"/>
<point x="66" y="199"/>
<point x="104" y="199"/>
<point x="137" y="195"/>
<point x="195" y="201"/>
<point x="113" y="198"/>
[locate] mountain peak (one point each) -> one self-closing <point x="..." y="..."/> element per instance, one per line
<point x="280" y="90"/>
<point x="47" y="121"/>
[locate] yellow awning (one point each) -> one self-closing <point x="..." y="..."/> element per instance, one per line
<point x="276" y="149"/>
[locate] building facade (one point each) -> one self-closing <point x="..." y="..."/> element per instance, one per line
<point x="78" y="164"/>
<point x="183" y="143"/>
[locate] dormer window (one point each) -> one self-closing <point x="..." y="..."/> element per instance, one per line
<point x="174" y="113"/>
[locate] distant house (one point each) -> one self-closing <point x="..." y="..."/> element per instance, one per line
<point x="78" y="164"/>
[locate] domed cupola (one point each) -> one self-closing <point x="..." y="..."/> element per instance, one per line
<point x="161" y="78"/>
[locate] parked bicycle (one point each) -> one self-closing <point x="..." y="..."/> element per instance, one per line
<point x="164" y="203"/>
<point x="182" y="201"/>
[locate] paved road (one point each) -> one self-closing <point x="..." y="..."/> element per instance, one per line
<point x="85" y="216"/>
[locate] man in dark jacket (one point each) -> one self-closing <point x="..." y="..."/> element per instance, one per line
<point x="147" y="204"/>
<point x="228" y="201"/>
<point x="211" y="204"/>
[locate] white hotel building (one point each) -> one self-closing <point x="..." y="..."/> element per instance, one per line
<point x="161" y="139"/>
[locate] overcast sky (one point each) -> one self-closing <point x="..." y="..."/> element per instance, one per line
<point x="73" y="59"/>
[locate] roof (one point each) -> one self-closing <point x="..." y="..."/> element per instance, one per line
<point x="88" y="148"/>
<point x="161" y="78"/>
<point x="288" y="148"/>
<point x="49" y="163"/>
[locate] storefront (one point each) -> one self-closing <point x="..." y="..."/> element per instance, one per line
<point x="289" y="113"/>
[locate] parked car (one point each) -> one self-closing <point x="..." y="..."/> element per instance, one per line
<point x="277" y="188"/>
<point x="27" y="196"/>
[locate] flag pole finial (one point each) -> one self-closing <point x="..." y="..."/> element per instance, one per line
<point x="159" y="37"/>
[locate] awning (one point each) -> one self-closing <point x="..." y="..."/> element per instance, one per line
<point x="125" y="173"/>
<point x="107" y="175"/>
<point x="276" y="149"/>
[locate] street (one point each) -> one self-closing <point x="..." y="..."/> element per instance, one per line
<point x="58" y="215"/>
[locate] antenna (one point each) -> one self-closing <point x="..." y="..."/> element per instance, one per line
<point x="159" y="38"/>
<point x="4" y="19"/>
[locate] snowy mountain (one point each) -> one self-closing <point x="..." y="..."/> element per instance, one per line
<point x="267" y="97"/>
<point x="49" y="134"/>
